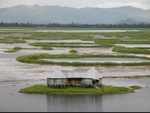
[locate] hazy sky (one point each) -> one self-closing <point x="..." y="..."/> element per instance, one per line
<point x="79" y="3"/>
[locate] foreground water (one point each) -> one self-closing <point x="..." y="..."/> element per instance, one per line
<point x="13" y="101"/>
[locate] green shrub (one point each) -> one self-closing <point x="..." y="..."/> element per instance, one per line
<point x="73" y="51"/>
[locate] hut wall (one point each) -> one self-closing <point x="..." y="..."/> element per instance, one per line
<point x="59" y="82"/>
<point x="62" y="82"/>
<point x="50" y="82"/>
<point x="100" y="83"/>
<point x="56" y="82"/>
<point x="87" y="83"/>
<point x="73" y="82"/>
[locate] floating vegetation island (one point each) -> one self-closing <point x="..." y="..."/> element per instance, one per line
<point x="84" y="60"/>
<point x="13" y="50"/>
<point x="105" y="90"/>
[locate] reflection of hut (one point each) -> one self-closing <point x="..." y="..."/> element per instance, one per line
<point x="74" y="79"/>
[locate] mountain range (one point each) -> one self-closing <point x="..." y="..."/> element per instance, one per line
<point x="66" y="15"/>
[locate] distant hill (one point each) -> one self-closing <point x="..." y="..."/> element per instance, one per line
<point x="65" y="15"/>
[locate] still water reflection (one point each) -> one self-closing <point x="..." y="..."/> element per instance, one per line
<point x="11" y="100"/>
<point x="74" y="103"/>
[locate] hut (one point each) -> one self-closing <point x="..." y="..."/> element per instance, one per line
<point x="74" y="79"/>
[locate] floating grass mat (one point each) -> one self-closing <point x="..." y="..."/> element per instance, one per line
<point x="13" y="50"/>
<point x="11" y="41"/>
<point x="112" y="42"/>
<point x="62" y="60"/>
<point x="106" y="42"/>
<point x="72" y="45"/>
<point x="115" y="37"/>
<point x="105" y="90"/>
<point x="141" y="46"/>
<point x="136" y="50"/>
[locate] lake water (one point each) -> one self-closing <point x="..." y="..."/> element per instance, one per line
<point x="12" y="101"/>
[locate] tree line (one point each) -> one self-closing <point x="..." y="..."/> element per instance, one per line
<point x="76" y="25"/>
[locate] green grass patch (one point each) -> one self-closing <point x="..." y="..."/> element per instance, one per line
<point x="43" y="89"/>
<point x="135" y="87"/>
<point x="139" y="37"/>
<point x="72" y="45"/>
<point x="11" y="41"/>
<point x="106" y="42"/>
<point x="73" y="51"/>
<point x="122" y="49"/>
<point x="13" y="50"/>
<point x="47" y="48"/>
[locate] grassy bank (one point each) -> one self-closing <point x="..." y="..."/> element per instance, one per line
<point x="43" y="89"/>
<point x="131" y="50"/>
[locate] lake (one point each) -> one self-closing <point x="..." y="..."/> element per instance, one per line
<point x="13" y="101"/>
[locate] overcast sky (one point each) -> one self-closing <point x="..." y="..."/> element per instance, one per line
<point x="79" y="3"/>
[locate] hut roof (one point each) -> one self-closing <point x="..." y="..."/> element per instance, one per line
<point x="91" y="73"/>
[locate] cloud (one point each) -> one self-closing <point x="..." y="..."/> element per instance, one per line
<point x="79" y="3"/>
